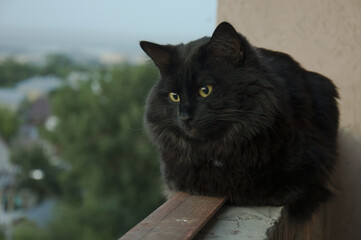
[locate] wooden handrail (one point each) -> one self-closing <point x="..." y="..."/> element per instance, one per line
<point x="180" y="218"/>
<point x="186" y="217"/>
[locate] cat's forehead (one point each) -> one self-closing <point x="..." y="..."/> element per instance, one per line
<point x="190" y="51"/>
<point x="188" y="70"/>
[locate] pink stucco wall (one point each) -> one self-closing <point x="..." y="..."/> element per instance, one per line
<point x="324" y="36"/>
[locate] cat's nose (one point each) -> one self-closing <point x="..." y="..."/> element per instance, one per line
<point x="186" y="118"/>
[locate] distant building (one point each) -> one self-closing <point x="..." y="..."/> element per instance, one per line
<point x="36" y="115"/>
<point x="38" y="111"/>
<point x="112" y="58"/>
<point x="7" y="170"/>
<point x="15" y="202"/>
<point x="11" y="98"/>
<point x="18" y="203"/>
<point x="38" y="86"/>
<point x="31" y="89"/>
<point x="7" y="179"/>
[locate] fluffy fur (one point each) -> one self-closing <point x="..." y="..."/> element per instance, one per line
<point x="266" y="135"/>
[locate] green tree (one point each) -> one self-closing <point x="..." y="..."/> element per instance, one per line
<point x="27" y="230"/>
<point x="113" y="179"/>
<point x="2" y="232"/>
<point x="8" y="123"/>
<point x="59" y="65"/>
<point x="31" y="160"/>
<point x="12" y="72"/>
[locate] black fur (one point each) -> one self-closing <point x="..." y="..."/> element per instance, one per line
<point x="266" y="135"/>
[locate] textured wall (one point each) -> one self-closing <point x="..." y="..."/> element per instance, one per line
<point x="324" y="36"/>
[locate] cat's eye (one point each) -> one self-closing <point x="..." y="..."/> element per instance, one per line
<point x="174" y="97"/>
<point x="205" y="91"/>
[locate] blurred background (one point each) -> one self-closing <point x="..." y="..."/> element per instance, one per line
<point x="75" y="162"/>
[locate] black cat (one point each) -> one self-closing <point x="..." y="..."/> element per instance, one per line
<point x="230" y="119"/>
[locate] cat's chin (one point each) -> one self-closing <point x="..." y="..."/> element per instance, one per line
<point x="198" y="135"/>
<point x="202" y="135"/>
<point x="192" y="133"/>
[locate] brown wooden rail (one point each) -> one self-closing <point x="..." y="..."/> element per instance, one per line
<point x="186" y="217"/>
<point x="180" y="218"/>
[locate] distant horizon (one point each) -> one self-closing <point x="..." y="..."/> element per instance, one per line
<point x="40" y="30"/>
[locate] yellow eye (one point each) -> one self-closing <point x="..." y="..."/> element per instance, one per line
<point x="205" y="91"/>
<point x="174" y="97"/>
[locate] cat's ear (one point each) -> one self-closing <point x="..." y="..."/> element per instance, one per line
<point x="160" y="54"/>
<point x="225" y="42"/>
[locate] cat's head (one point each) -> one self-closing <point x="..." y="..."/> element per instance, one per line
<point x="209" y="88"/>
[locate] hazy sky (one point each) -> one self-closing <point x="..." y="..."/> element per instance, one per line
<point x="102" y="24"/>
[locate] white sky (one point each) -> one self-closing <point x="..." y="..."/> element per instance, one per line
<point x="103" y="23"/>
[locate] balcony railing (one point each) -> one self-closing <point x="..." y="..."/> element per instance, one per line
<point x="187" y="216"/>
<point x="209" y="218"/>
<point x="179" y="218"/>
